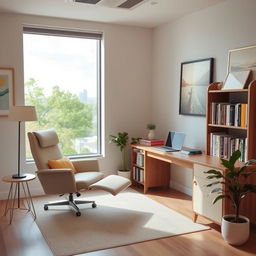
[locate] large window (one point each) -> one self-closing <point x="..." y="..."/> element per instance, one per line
<point x="62" y="80"/>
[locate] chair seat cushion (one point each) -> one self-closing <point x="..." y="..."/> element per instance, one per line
<point x="112" y="184"/>
<point x="85" y="179"/>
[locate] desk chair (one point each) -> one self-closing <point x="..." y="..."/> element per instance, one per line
<point x="75" y="176"/>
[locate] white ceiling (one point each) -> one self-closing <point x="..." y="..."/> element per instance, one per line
<point x="149" y="14"/>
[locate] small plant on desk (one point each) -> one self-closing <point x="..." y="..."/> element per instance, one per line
<point x="151" y="126"/>
<point x="151" y="131"/>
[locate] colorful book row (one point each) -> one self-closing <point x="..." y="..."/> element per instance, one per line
<point x="229" y="114"/>
<point x="223" y="145"/>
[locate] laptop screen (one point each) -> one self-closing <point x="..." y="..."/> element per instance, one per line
<point x="175" y="140"/>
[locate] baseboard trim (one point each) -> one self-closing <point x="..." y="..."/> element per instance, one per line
<point x="177" y="186"/>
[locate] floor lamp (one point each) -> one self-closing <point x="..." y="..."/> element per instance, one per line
<point x="21" y="113"/>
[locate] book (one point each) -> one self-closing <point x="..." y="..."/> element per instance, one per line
<point x="154" y="142"/>
<point x="243" y="115"/>
<point x="140" y="159"/>
<point x="190" y="151"/>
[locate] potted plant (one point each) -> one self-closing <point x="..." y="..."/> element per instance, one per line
<point x="121" y="140"/>
<point x="233" y="186"/>
<point x="151" y="131"/>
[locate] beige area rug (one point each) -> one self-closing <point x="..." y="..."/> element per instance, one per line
<point x="127" y="218"/>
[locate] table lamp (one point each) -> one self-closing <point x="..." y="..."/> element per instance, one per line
<point x="21" y="113"/>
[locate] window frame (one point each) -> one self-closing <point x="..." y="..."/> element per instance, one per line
<point x="100" y="113"/>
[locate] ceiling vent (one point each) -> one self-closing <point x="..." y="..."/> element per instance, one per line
<point x="123" y="4"/>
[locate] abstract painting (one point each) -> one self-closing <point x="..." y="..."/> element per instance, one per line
<point x="195" y="77"/>
<point x="6" y="90"/>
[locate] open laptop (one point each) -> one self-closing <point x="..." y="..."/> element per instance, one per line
<point x="173" y="143"/>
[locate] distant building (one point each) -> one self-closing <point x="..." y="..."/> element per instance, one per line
<point x="83" y="96"/>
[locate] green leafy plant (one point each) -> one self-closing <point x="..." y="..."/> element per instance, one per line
<point x="135" y="140"/>
<point x="151" y="126"/>
<point x="121" y="140"/>
<point x="232" y="181"/>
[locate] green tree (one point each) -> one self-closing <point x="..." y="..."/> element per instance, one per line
<point x="62" y="111"/>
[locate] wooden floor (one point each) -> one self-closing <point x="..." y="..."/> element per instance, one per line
<point x="23" y="238"/>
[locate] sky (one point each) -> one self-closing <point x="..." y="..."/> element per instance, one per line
<point x="67" y="62"/>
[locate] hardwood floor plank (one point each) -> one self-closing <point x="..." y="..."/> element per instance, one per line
<point x="23" y="237"/>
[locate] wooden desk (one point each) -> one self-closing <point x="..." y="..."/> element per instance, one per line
<point x="154" y="171"/>
<point x="151" y="156"/>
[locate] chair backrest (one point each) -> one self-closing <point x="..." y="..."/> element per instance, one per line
<point x="44" y="147"/>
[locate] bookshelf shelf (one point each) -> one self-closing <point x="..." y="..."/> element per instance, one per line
<point x="142" y="183"/>
<point x="228" y="91"/>
<point x="141" y="167"/>
<point x="228" y="126"/>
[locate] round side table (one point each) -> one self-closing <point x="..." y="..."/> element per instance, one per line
<point x="14" y="193"/>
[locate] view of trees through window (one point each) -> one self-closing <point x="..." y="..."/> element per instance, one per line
<point x="61" y="81"/>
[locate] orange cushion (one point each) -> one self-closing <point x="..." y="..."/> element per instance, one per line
<point x="63" y="163"/>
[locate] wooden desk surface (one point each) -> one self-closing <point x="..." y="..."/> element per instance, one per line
<point x="182" y="159"/>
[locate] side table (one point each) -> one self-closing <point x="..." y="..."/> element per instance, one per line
<point x="14" y="193"/>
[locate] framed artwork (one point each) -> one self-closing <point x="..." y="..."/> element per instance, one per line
<point x="194" y="79"/>
<point x="6" y="90"/>
<point x="242" y="59"/>
<point x="236" y="80"/>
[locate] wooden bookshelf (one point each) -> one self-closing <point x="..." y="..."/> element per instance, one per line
<point x="248" y="96"/>
<point x="153" y="172"/>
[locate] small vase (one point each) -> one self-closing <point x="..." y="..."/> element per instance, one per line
<point x="151" y="134"/>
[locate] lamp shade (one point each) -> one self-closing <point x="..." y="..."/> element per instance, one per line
<point x="22" y="113"/>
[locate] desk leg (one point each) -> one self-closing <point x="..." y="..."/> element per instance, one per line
<point x="195" y="217"/>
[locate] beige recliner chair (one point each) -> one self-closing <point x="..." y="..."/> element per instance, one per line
<point x="44" y="147"/>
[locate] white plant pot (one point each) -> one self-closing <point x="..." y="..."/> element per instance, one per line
<point x="126" y="174"/>
<point x="151" y="134"/>
<point x="235" y="233"/>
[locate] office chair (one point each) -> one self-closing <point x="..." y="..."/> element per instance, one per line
<point x="73" y="176"/>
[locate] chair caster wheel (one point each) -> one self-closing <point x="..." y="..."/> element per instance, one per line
<point x="94" y="205"/>
<point x="78" y="214"/>
<point x="45" y="207"/>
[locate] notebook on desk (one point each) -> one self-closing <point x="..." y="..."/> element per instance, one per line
<point x="190" y="151"/>
<point x="173" y="143"/>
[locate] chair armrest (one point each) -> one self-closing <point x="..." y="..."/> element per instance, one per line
<point x="86" y="165"/>
<point x="57" y="181"/>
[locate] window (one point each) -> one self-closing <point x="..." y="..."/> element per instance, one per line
<point x="62" y="77"/>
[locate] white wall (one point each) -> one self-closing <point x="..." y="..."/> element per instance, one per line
<point x="130" y="100"/>
<point x="128" y="61"/>
<point x="208" y="33"/>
